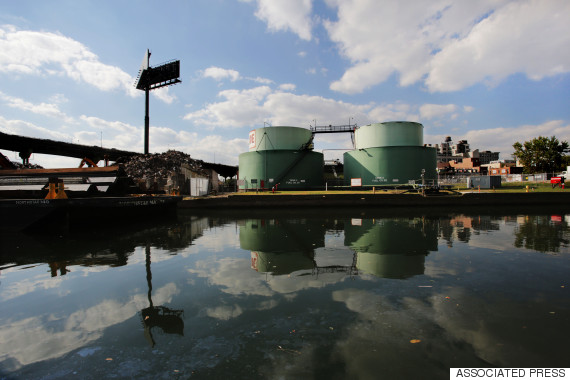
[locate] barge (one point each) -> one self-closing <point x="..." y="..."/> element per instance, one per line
<point x="39" y="198"/>
<point x="21" y="214"/>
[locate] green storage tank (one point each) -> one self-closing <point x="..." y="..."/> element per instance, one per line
<point x="281" y="246"/>
<point x="281" y="156"/>
<point x="392" y="248"/>
<point x="390" y="153"/>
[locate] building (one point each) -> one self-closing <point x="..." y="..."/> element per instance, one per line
<point x="466" y="165"/>
<point x="448" y="151"/>
<point x="487" y="157"/>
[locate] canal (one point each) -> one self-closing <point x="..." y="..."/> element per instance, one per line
<point x="281" y="294"/>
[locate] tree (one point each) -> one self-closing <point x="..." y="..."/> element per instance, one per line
<point x="541" y="154"/>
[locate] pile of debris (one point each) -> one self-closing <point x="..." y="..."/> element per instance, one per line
<point x="20" y="166"/>
<point x="153" y="171"/>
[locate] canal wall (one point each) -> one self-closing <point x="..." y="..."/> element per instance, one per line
<point x="247" y="201"/>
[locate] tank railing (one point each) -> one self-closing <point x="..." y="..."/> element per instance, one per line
<point x="333" y="128"/>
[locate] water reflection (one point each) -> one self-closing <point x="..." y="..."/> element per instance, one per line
<point x="168" y="320"/>
<point x="282" y="246"/>
<point x="542" y="233"/>
<point x="99" y="247"/>
<point x="392" y="248"/>
<point x="291" y="296"/>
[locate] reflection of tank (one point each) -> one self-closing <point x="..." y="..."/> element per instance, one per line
<point x="393" y="248"/>
<point x="390" y="266"/>
<point x="281" y="263"/>
<point x="281" y="246"/>
<point x="281" y="156"/>
<point x="390" y="153"/>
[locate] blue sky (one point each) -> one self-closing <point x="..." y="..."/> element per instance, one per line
<point x="492" y="72"/>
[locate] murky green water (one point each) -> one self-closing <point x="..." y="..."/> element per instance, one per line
<point x="281" y="295"/>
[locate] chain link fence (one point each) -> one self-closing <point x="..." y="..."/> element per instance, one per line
<point x="462" y="179"/>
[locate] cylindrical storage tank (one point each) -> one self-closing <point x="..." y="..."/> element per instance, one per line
<point x="273" y="249"/>
<point x="392" y="133"/>
<point x="390" y="153"/>
<point x="279" y="138"/>
<point x="282" y="157"/>
<point x="390" y="165"/>
<point x="393" y="248"/>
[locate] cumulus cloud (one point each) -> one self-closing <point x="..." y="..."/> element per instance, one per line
<point x="287" y="87"/>
<point x="530" y="37"/>
<point x="290" y="109"/>
<point x="24" y="128"/>
<point x="240" y="108"/>
<point x="45" y="53"/>
<point x="251" y="107"/>
<point x="164" y="94"/>
<point x="393" y="112"/>
<point x="448" y="45"/>
<point x="254" y="106"/>
<point x="45" y="109"/>
<point x="430" y="111"/>
<point x="286" y="15"/>
<point x="218" y="73"/>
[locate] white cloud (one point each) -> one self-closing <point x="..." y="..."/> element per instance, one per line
<point x="45" y="109"/>
<point x="430" y="111"/>
<point x="286" y="108"/>
<point x="218" y="73"/>
<point x="393" y="112"/>
<point x="287" y="87"/>
<point x="449" y="44"/>
<point x="240" y="108"/>
<point x="286" y="15"/>
<point x="261" y="80"/>
<point x="254" y="106"/>
<point x="44" y="53"/>
<point x="24" y="128"/>
<point x="104" y="125"/>
<point x="530" y="37"/>
<point x="164" y="94"/>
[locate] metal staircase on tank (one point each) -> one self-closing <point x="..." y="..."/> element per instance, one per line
<point x="302" y="152"/>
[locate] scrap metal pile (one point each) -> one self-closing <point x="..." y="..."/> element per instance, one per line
<point x="155" y="170"/>
<point x="26" y="166"/>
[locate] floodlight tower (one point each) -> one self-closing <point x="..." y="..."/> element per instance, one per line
<point x="150" y="78"/>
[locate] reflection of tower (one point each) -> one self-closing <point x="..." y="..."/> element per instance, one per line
<point x="54" y="266"/>
<point x="281" y="246"/>
<point x="169" y="320"/>
<point x="392" y="248"/>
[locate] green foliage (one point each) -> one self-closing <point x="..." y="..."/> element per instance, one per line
<point x="565" y="162"/>
<point x="541" y="154"/>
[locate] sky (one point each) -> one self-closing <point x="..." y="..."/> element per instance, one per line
<point x="492" y="72"/>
